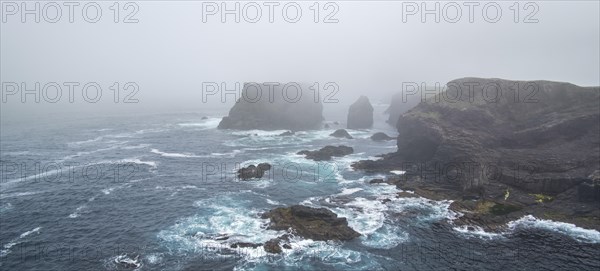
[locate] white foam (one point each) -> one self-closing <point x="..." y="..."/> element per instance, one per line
<point x="228" y="154"/>
<point x="397" y="172"/>
<point x="16" y="241"/>
<point x="210" y="123"/>
<point x="39" y="176"/>
<point x="386" y="237"/>
<point x="174" y="154"/>
<point x="17" y="194"/>
<point x="477" y="231"/>
<point x="273" y="202"/>
<point x="364" y="216"/>
<point x="577" y="233"/>
<point x="139" y="162"/>
<point x="76" y="214"/>
<point x="349" y="191"/>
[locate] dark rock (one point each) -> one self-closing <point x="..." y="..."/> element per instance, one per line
<point x="287" y="246"/>
<point x="539" y="140"/>
<point x="264" y="166"/>
<point x="287" y="133"/>
<point x="274" y="112"/>
<point x="244" y="245"/>
<point x="546" y="144"/>
<point x="327" y="152"/>
<point x="336" y="123"/>
<point x="252" y="171"/>
<point x="588" y="192"/>
<point x="376" y="181"/>
<point x="379" y="136"/>
<point x="272" y="246"/>
<point x="205" y="118"/>
<point x="326" y="126"/>
<point x="360" y="114"/>
<point x="313" y="223"/>
<point x="384" y="201"/>
<point x="341" y="133"/>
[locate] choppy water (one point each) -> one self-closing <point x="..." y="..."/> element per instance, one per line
<point x="78" y="194"/>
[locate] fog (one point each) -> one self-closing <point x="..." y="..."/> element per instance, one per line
<point x="370" y="51"/>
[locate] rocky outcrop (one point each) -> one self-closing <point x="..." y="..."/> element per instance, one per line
<point x="253" y="172"/>
<point x="287" y="133"/>
<point x="312" y="223"/>
<point x="401" y="105"/>
<point x="282" y="107"/>
<point x="327" y="152"/>
<point x="379" y="136"/>
<point x="360" y="114"/>
<point x="341" y="133"/>
<point x="536" y="139"/>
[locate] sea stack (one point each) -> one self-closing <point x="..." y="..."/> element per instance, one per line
<point x="400" y="104"/>
<point x="274" y="107"/>
<point x="360" y="114"/>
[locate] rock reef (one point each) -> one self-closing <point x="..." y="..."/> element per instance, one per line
<point x="313" y="223"/>
<point x="327" y="152"/>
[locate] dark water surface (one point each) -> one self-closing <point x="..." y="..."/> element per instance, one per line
<point x="77" y="195"/>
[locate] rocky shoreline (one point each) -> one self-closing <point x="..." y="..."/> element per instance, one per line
<point x="497" y="161"/>
<point x="503" y="159"/>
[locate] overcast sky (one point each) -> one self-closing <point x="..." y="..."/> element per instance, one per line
<point x="371" y="50"/>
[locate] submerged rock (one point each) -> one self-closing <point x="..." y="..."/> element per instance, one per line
<point x="327" y="152"/>
<point x="341" y="133"/>
<point x="312" y="223"/>
<point x="379" y="136"/>
<point x="360" y="114"/>
<point x="287" y="133"/>
<point x="253" y="171"/>
<point x="204" y="117"/>
<point x="376" y="181"/>
<point x="244" y="244"/>
<point x="286" y="108"/>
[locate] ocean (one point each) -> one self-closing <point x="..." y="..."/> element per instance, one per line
<point x="88" y="193"/>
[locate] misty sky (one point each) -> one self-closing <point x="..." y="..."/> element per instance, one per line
<point x="371" y="51"/>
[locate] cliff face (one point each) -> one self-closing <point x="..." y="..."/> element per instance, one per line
<point x="538" y="136"/>
<point x="360" y="114"/>
<point x="400" y="105"/>
<point x="279" y="109"/>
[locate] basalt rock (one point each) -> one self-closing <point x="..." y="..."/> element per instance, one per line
<point x="341" y="133"/>
<point x="360" y="114"/>
<point x="327" y="152"/>
<point x="379" y="136"/>
<point x="312" y="223"/>
<point x="276" y="111"/>
<point x="536" y="139"/>
<point x="252" y="171"/>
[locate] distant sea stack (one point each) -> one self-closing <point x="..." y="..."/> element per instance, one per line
<point x="401" y="105"/>
<point x="360" y="114"/>
<point x="289" y="107"/>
